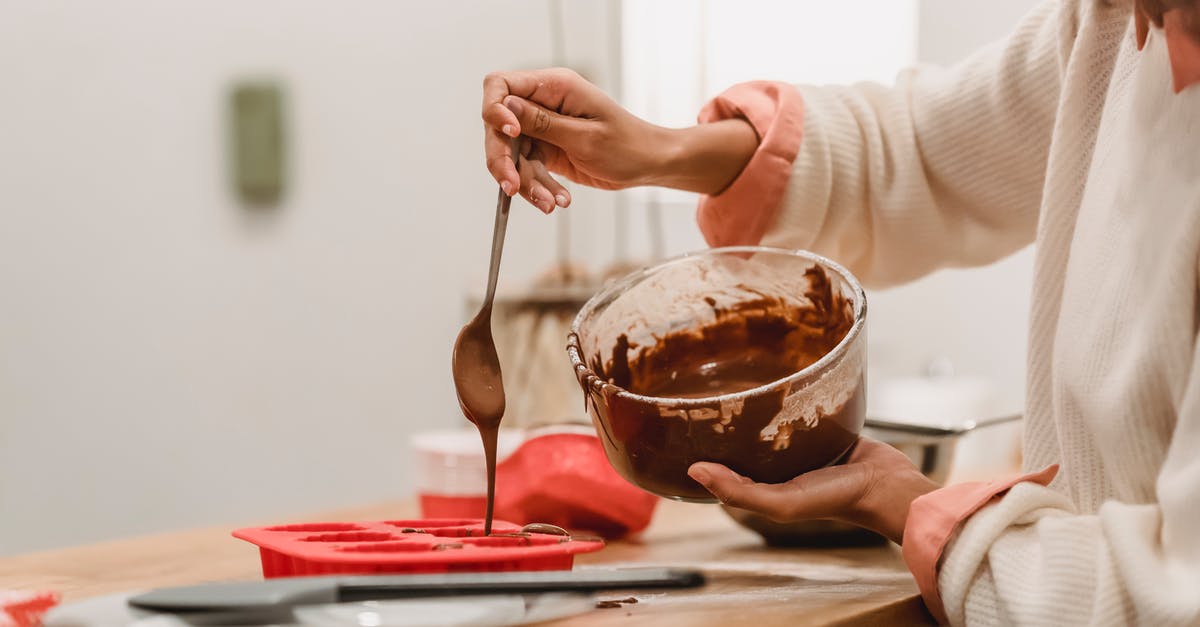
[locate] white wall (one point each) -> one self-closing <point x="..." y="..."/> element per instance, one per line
<point x="977" y="318"/>
<point x="169" y="360"/>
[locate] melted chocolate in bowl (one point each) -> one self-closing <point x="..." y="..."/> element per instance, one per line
<point x="723" y="389"/>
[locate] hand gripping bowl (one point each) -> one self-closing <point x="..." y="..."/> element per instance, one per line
<point x="749" y="356"/>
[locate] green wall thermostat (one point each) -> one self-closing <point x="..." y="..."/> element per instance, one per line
<point x="258" y="146"/>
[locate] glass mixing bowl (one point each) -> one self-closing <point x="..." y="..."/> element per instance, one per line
<point x="749" y="356"/>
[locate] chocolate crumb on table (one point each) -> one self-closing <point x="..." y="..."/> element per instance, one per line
<point x="615" y="603"/>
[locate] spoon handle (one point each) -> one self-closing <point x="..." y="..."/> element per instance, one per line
<point x="503" y="202"/>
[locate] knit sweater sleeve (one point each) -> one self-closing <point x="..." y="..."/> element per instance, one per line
<point x="1028" y="558"/>
<point x="943" y="169"/>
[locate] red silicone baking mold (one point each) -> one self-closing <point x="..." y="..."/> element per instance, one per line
<point x="409" y="546"/>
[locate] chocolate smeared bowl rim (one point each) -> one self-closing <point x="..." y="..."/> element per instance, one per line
<point x="613" y="290"/>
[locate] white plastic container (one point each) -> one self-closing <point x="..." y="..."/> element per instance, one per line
<point x="450" y="472"/>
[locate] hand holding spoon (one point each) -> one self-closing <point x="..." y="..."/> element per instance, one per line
<point x="476" y="366"/>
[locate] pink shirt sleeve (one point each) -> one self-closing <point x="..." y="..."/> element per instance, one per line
<point x="933" y="519"/>
<point x="742" y="213"/>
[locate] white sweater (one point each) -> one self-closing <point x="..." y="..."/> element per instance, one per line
<point x="1065" y="135"/>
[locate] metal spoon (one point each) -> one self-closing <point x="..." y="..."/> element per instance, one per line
<point x="476" y="366"/>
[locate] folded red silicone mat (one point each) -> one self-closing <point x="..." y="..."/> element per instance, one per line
<point x="409" y="546"/>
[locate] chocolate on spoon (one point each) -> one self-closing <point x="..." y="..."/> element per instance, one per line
<point x="480" y="388"/>
<point x="476" y="366"/>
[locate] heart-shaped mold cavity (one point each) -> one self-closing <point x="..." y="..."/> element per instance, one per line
<point x="351" y="536"/>
<point x="386" y="547"/>
<point x="317" y="527"/>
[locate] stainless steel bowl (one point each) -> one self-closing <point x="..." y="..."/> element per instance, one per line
<point x="930" y="448"/>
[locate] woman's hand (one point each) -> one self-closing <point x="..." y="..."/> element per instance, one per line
<point x="872" y="489"/>
<point x="582" y="134"/>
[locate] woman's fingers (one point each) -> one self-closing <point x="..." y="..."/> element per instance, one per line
<point x="501" y="118"/>
<point x="501" y="163"/>
<point x="826" y="493"/>
<point x="527" y="176"/>
<point x="547" y="88"/>
<point x="738" y="491"/>
<point x="562" y="197"/>
<point x="874" y="488"/>
<point x="585" y="135"/>
<point x="550" y="87"/>
<point x="539" y="187"/>
<point x="541" y="123"/>
<point x="509" y="111"/>
<point x="501" y="124"/>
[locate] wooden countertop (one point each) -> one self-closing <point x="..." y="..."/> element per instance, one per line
<point x="749" y="584"/>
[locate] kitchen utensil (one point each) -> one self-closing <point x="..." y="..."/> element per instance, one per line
<point x="488" y="610"/>
<point x="409" y="546"/>
<point x="294" y="591"/>
<point x="530" y="324"/>
<point x="930" y="448"/>
<point x="477" y="379"/>
<point x="937" y="431"/>
<point x="802" y="421"/>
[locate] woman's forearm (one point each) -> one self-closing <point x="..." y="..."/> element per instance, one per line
<point x="705" y="158"/>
